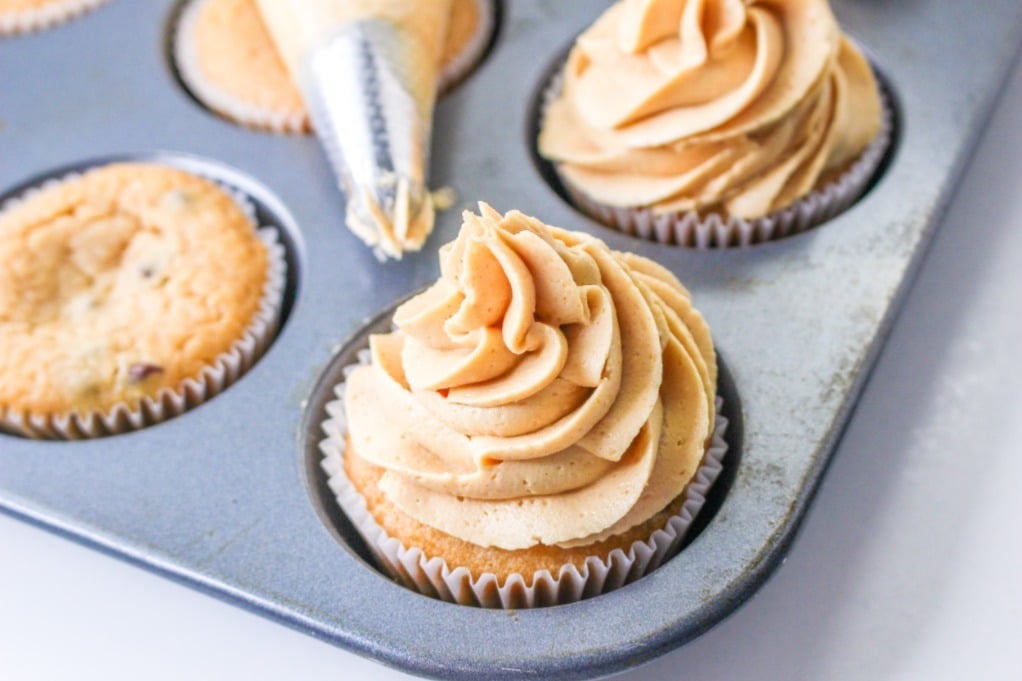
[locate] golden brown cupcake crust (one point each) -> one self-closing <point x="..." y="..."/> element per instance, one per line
<point x="118" y="283"/>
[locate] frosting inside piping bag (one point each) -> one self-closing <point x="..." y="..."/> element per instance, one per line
<point x="368" y="72"/>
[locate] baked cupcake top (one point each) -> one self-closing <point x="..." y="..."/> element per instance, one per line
<point x="545" y="390"/>
<point x="741" y="106"/>
<point x="118" y="283"/>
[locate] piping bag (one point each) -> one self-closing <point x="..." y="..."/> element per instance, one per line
<point x="368" y="72"/>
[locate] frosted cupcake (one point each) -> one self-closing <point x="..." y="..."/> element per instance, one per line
<point x="25" y="16"/>
<point x="127" y="295"/>
<point x="538" y="428"/>
<point x="226" y="57"/>
<point x="715" y="123"/>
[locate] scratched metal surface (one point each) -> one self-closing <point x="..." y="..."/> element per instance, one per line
<point x="226" y="497"/>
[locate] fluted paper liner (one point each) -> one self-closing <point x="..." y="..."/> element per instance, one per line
<point x="169" y="402"/>
<point x="712" y="230"/>
<point x="432" y="576"/>
<point x="15" y="22"/>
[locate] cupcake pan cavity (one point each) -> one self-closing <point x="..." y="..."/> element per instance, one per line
<point x="331" y="491"/>
<point x="277" y="297"/>
<point x="224" y="497"/>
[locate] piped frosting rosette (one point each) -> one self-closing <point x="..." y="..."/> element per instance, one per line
<point x="759" y="114"/>
<point x="545" y="391"/>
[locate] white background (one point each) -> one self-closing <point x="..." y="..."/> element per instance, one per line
<point x="909" y="565"/>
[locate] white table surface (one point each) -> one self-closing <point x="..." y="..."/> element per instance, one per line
<point x="909" y="565"/>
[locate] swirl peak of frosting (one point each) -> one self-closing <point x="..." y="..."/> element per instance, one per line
<point x="735" y="105"/>
<point x="545" y="390"/>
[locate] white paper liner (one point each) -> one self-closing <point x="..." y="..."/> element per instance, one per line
<point x="186" y="56"/>
<point x="432" y="576"/>
<point x="711" y="230"/>
<point x="15" y="22"/>
<point x="455" y="70"/>
<point x="169" y="402"/>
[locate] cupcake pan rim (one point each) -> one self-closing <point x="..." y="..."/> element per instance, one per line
<point x="237" y="522"/>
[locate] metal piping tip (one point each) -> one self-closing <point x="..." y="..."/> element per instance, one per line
<point x="373" y="116"/>
<point x="393" y="216"/>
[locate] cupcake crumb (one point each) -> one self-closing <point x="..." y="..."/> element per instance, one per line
<point x="444" y="198"/>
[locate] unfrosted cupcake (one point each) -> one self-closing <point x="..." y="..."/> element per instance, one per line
<point x="228" y="60"/>
<point x="538" y="428"/>
<point x="128" y="294"/>
<point x="25" y="16"/>
<point x="715" y="123"/>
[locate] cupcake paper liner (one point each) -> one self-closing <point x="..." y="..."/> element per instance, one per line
<point x="169" y="402"/>
<point x="186" y="57"/>
<point x="432" y="576"/>
<point x="711" y="230"/>
<point x="16" y="22"/>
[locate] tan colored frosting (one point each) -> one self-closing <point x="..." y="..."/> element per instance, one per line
<point x="545" y="390"/>
<point x="737" y="105"/>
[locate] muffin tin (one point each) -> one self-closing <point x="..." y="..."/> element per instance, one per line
<point x="228" y="497"/>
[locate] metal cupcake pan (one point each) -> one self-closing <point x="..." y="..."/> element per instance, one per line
<point x="228" y="498"/>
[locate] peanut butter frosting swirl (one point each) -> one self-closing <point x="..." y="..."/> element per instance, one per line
<point x="545" y="390"/>
<point x="743" y="106"/>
